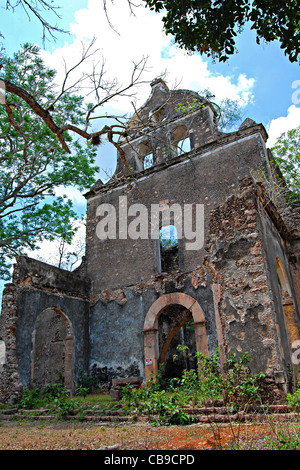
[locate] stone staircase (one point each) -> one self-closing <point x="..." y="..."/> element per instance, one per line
<point x="210" y="412"/>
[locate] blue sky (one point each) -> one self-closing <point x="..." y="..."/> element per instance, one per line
<point x="273" y="74"/>
<point x="267" y="65"/>
<point x="260" y="76"/>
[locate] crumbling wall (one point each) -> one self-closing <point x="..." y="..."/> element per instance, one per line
<point x="36" y="289"/>
<point x="118" y="317"/>
<point x="10" y="381"/>
<point x="204" y="177"/>
<point x="237" y="261"/>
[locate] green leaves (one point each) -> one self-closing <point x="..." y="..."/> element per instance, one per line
<point x="286" y="152"/>
<point x="33" y="163"/>
<point x="210" y="27"/>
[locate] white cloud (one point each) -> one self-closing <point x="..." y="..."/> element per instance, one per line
<point x="131" y="38"/>
<point x="135" y="36"/>
<point x="71" y="193"/>
<point x="283" y="124"/>
<point x="55" y="252"/>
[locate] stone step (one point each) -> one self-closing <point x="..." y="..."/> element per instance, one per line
<point x="203" y="414"/>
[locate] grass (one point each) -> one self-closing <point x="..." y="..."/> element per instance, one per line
<point x="163" y="404"/>
<point x="95" y="399"/>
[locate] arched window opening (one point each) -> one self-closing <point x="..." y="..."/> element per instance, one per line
<point x="158" y="115"/>
<point x="168" y="240"/>
<point x="148" y="161"/>
<point x="180" y="140"/>
<point x="183" y="146"/>
<point x="145" y="155"/>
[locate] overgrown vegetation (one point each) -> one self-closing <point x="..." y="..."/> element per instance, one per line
<point x="281" y="174"/>
<point x="167" y="402"/>
<point x="57" y="399"/>
<point x="164" y="400"/>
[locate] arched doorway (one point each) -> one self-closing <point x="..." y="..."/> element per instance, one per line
<point x="52" y="354"/>
<point x="290" y="316"/>
<point x="176" y="327"/>
<point x="190" y="309"/>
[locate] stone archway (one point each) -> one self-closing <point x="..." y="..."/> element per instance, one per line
<point x="150" y="330"/>
<point x="52" y="357"/>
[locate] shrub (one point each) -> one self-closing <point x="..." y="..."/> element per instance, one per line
<point x="294" y="399"/>
<point x="239" y="383"/>
<point x="50" y="392"/>
<point x="30" y="399"/>
<point x="82" y="391"/>
<point x="63" y="406"/>
<point x="87" y="381"/>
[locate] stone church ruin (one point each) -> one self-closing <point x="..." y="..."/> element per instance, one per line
<point x="137" y="295"/>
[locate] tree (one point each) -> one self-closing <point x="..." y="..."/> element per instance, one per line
<point x="286" y="152"/>
<point x="46" y="139"/>
<point x="33" y="162"/>
<point x="229" y="112"/>
<point x="46" y="142"/>
<point x="211" y="26"/>
<point x="94" y="82"/>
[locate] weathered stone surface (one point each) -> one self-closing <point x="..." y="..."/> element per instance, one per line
<point x="125" y="307"/>
<point x="118" y="384"/>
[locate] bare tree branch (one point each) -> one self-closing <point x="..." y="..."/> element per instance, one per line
<point x="86" y="53"/>
<point x="37" y="108"/>
<point x="8" y="108"/>
<point x="33" y="7"/>
<point x="109" y="88"/>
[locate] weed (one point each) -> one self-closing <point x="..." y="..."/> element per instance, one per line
<point x="30" y="399"/>
<point x="294" y="399"/>
<point x="284" y="441"/>
<point x="63" y="406"/>
<point x="82" y="391"/>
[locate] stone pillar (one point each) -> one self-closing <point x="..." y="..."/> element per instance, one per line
<point x="10" y="382"/>
<point x="217" y="291"/>
<point x="293" y="332"/>
<point x="69" y="366"/>
<point x="151" y="353"/>
<point x="201" y="338"/>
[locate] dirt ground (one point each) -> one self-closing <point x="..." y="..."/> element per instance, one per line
<point x="86" y="436"/>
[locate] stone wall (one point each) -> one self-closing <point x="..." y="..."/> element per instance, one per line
<point x="10" y="382"/>
<point x="243" y="246"/>
<point x="240" y="288"/>
<point x="117" y="338"/>
<point x="203" y="177"/>
<point x="38" y="288"/>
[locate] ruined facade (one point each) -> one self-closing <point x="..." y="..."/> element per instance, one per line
<point x="228" y="279"/>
